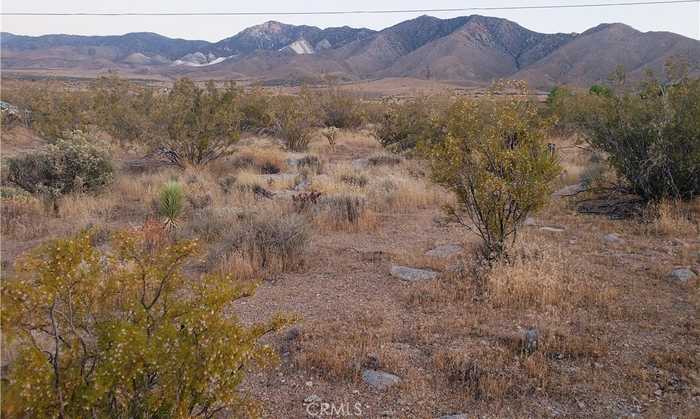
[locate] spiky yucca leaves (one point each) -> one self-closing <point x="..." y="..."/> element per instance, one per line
<point x="170" y="204"/>
<point x="126" y="333"/>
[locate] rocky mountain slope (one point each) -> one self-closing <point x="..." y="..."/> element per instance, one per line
<point x="464" y="49"/>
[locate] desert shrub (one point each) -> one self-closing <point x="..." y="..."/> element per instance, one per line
<point x="651" y="136"/>
<point x="384" y="160"/>
<point x="406" y="125"/>
<point x="343" y="208"/>
<point x="170" y="203"/>
<point x="125" y="334"/>
<point x="68" y="165"/>
<point x="256" y="112"/>
<point x="331" y="134"/>
<point x="340" y="109"/>
<point x="600" y="90"/>
<point x="199" y="124"/>
<point x="495" y="160"/>
<point x="54" y="112"/>
<point x="295" y="120"/>
<point x="359" y="180"/>
<point x="270" y="242"/>
<point x="310" y="163"/>
<point x="123" y="109"/>
<point x="21" y="216"/>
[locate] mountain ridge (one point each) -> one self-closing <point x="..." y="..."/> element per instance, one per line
<point x="471" y="48"/>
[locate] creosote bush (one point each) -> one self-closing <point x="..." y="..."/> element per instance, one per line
<point x="494" y="158"/>
<point x="406" y="125"/>
<point x="295" y="119"/>
<point x="199" y="124"/>
<point x="651" y="136"/>
<point x="69" y="165"/>
<point x="340" y="109"/>
<point x="126" y="334"/>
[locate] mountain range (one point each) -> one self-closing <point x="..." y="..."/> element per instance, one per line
<point x="474" y="49"/>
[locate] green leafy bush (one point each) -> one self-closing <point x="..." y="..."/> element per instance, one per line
<point x="123" y="109"/>
<point x="257" y="112"/>
<point x="200" y="124"/>
<point x="295" y="120"/>
<point x="406" y="125"/>
<point x="68" y="165"/>
<point x="651" y="136"/>
<point x="126" y="334"/>
<point x="340" y="109"/>
<point x="495" y="159"/>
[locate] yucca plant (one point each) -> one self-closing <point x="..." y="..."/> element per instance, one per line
<point x="171" y="202"/>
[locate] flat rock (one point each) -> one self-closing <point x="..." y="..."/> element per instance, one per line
<point x="683" y="275"/>
<point x="569" y="190"/>
<point x="312" y="399"/>
<point x="412" y="274"/>
<point x="379" y="380"/>
<point x="277" y="177"/>
<point x="612" y="238"/>
<point x="552" y="229"/>
<point x="360" y="163"/>
<point x="444" y="251"/>
<point x="457" y="416"/>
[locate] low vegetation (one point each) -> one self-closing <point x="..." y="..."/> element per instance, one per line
<point x="496" y="161"/>
<point x="137" y="298"/>
<point x="125" y="334"/>
<point x="649" y="134"/>
<point x="73" y="164"/>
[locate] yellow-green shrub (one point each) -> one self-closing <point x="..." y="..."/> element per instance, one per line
<point x="495" y="159"/>
<point x="125" y="334"/>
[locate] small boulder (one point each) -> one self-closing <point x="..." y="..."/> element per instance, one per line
<point x="530" y="341"/>
<point x="529" y="221"/>
<point x="570" y="190"/>
<point x="613" y="238"/>
<point x="412" y="274"/>
<point x="444" y="251"/>
<point x="360" y="163"/>
<point x="683" y="275"/>
<point x="312" y="399"/>
<point x="379" y="380"/>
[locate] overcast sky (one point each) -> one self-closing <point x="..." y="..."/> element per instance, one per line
<point x="680" y="18"/>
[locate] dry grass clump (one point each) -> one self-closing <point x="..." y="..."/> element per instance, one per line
<point x="403" y="193"/>
<point x="22" y="218"/>
<point x="267" y="242"/>
<point x="263" y="160"/>
<point x="669" y="218"/>
<point x="341" y="349"/>
<point x="345" y="212"/>
<point x="504" y="369"/>
<point x="541" y="275"/>
<point x="310" y="164"/>
<point x="384" y="159"/>
<point x="486" y="375"/>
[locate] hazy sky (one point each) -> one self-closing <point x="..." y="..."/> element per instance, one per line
<point x="680" y="18"/>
